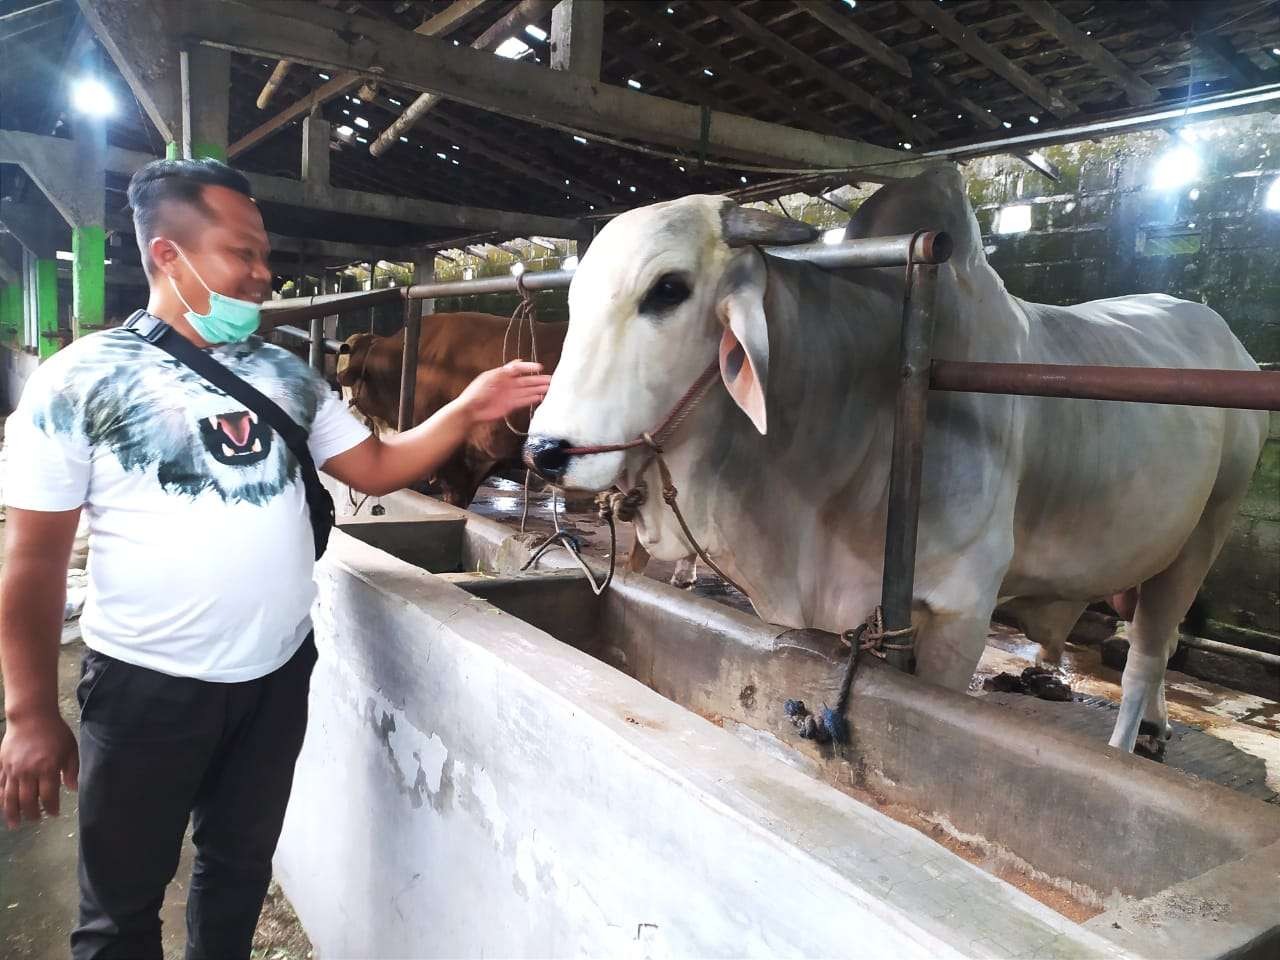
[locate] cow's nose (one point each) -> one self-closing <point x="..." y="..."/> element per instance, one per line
<point x="547" y="457"/>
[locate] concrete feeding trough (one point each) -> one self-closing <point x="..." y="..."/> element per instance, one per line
<point x="501" y="764"/>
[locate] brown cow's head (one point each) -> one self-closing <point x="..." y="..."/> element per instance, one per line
<point x="351" y="358"/>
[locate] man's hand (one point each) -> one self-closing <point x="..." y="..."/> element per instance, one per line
<point x="379" y="466"/>
<point x="500" y="392"/>
<point x="34" y="754"/>
<point x="38" y="746"/>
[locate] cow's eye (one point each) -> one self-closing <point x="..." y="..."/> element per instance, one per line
<point x="669" y="290"/>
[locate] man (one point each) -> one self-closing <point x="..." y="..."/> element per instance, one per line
<point x="194" y="686"/>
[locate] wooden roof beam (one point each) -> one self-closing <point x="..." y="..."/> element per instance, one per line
<point x="273" y="83"/>
<point x="675" y="84"/>
<point x="1088" y="49"/>
<point x="967" y="39"/>
<point x="471" y="141"/>
<point x="525" y="91"/>
<point x="524" y="13"/>
<point x="340" y="84"/>
<point x="850" y="91"/>
<point x="381" y="101"/>
<point x="1243" y="71"/>
<point x="795" y="109"/>
<point x="138" y="34"/>
<point x="866" y="41"/>
<point x="451" y="18"/>
<point x="464" y="134"/>
<point x="330" y="89"/>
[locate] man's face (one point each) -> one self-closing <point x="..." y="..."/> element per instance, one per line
<point x="228" y="249"/>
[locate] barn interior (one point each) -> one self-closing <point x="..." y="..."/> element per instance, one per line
<point x="1107" y="147"/>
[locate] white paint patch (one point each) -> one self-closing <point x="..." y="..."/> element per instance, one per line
<point x="411" y="749"/>
<point x="485" y="792"/>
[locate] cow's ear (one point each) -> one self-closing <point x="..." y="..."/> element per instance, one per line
<point x="744" y="344"/>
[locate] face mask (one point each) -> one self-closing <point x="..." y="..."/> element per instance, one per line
<point x="229" y="320"/>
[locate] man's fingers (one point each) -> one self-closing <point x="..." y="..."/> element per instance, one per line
<point x="523" y="398"/>
<point x="49" y="795"/>
<point x="28" y="802"/>
<point x="12" y="812"/>
<point x="523" y="368"/>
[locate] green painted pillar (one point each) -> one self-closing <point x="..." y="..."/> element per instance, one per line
<point x="213" y="150"/>
<point x="88" y="279"/>
<point x="47" y="307"/>
<point x="173" y="151"/>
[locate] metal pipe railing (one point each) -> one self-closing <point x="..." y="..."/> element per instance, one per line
<point x="330" y="345"/>
<point x="1243" y="389"/>
<point x="304" y="309"/>
<point x="897" y="588"/>
<point x="931" y="248"/>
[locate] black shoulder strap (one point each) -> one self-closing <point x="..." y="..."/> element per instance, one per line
<point x="319" y="503"/>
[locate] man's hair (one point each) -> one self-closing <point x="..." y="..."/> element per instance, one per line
<point x="162" y="183"/>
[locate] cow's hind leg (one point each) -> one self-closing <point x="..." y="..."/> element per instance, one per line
<point x="1162" y="603"/>
<point x="1048" y="623"/>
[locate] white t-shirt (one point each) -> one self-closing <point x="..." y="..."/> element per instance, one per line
<point x="200" y="544"/>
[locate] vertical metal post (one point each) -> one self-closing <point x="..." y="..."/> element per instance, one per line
<point x="409" y="362"/>
<point x="908" y="456"/>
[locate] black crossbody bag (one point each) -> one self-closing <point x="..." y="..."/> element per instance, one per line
<point x="319" y="503"/>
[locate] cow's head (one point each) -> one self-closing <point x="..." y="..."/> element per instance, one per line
<point x="662" y="291"/>
<point x="351" y="358"/>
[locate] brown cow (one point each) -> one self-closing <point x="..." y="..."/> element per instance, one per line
<point x="453" y="349"/>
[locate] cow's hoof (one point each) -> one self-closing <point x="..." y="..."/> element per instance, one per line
<point x="684" y="583"/>
<point x="1151" y="747"/>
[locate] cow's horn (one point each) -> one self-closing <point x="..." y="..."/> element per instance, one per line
<point x="745" y="226"/>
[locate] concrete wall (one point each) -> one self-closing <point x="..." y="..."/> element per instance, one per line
<point x="469" y="786"/>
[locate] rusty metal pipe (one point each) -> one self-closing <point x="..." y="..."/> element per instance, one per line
<point x="330" y="345"/>
<point x="305" y="309"/>
<point x="1260" y="657"/>
<point x="409" y="363"/>
<point x="1244" y="389"/>
<point x="898" y="583"/>
<point x="931" y="248"/>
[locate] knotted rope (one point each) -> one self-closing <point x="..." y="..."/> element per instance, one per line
<point x="523" y="318"/>
<point x="829" y="724"/>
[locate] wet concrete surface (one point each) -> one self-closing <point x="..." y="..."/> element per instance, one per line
<point x="1220" y="734"/>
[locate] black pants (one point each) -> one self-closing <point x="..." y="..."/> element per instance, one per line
<point x="156" y="750"/>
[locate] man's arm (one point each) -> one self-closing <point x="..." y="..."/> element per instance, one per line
<point x="38" y="746"/>
<point x="379" y="467"/>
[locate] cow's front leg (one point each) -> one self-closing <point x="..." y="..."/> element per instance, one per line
<point x="950" y="644"/>
<point x="686" y="573"/>
<point x="952" y="631"/>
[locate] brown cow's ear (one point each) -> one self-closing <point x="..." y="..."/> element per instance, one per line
<point x="744" y="344"/>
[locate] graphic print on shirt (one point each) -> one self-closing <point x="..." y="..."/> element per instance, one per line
<point x="153" y="412"/>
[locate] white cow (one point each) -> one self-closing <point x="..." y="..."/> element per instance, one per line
<point x="1047" y="504"/>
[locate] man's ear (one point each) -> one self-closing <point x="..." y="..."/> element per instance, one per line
<point x="163" y="255"/>
<point x="744" y="345"/>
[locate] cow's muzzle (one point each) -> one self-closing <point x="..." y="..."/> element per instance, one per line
<point x="546" y="457"/>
